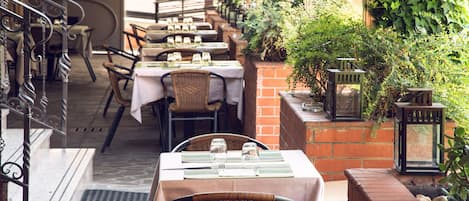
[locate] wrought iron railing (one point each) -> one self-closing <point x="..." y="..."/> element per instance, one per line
<point x="26" y="102"/>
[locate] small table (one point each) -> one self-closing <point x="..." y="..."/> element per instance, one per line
<point x="147" y="87"/>
<point x="150" y="50"/>
<point x="306" y="184"/>
<point x="159" y="35"/>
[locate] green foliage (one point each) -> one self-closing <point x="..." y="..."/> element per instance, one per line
<point x="316" y="48"/>
<point x="456" y="167"/>
<point x="263" y="31"/>
<point x="394" y="64"/>
<point x="421" y="16"/>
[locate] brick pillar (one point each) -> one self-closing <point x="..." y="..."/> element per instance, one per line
<point x="3" y="190"/>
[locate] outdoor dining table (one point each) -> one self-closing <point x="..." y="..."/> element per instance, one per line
<point x="293" y="176"/>
<point x="150" y="50"/>
<point x="147" y="87"/>
<point x="164" y="24"/>
<point x="159" y="35"/>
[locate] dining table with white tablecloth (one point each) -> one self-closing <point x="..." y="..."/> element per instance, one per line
<point x="176" y="177"/>
<point x="159" y="35"/>
<point x="147" y="86"/>
<point x="150" y="50"/>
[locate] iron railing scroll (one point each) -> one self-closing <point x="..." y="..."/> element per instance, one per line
<point x="26" y="102"/>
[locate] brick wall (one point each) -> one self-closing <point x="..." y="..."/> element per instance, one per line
<point x="264" y="80"/>
<point x="336" y="146"/>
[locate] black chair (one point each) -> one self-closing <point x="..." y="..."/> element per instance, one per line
<point x="202" y="142"/>
<point x="233" y="196"/>
<point x="118" y="52"/>
<point x="116" y="73"/>
<point x="191" y="91"/>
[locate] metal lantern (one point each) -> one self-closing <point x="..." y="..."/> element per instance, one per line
<point x="344" y="92"/>
<point x="418" y="129"/>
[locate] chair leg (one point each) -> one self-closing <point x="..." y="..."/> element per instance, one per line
<point x="170" y="130"/>
<point x="215" y="121"/>
<point x="89" y="67"/>
<point x="113" y="128"/>
<point x="108" y="103"/>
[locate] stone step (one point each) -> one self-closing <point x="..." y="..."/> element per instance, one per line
<point x="13" y="138"/>
<point x="57" y="175"/>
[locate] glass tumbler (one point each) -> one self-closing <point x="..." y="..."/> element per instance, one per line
<point x="197" y="39"/>
<point x="249" y="151"/>
<point x="218" y="149"/>
<point x="206" y="57"/>
<point x="196" y="58"/>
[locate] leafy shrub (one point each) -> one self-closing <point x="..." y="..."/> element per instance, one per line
<point x="316" y="48"/>
<point x="421" y="16"/>
<point x="456" y="167"/>
<point x="263" y="31"/>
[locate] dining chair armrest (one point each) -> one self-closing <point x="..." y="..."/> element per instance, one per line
<point x="120" y="52"/>
<point x="137" y="28"/>
<point x="112" y="67"/>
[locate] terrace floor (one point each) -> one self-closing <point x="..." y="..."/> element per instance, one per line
<point x="130" y="161"/>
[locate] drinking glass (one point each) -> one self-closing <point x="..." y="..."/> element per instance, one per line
<point x="192" y="27"/>
<point x="185" y="27"/>
<point x="177" y="56"/>
<point x="218" y="149"/>
<point x="197" y="39"/>
<point x="175" y="20"/>
<point x="169" y="21"/>
<point x="170" y="58"/>
<point x="178" y="39"/>
<point x="206" y="57"/>
<point x="196" y="58"/>
<point x="170" y="40"/>
<point x="177" y="27"/>
<point x="187" y="40"/>
<point x="249" y="151"/>
<point x="170" y="27"/>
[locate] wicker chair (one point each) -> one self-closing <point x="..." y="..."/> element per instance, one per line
<point x="202" y="142"/>
<point x="116" y="74"/>
<point x="186" y="53"/>
<point x="128" y="70"/>
<point x="191" y="90"/>
<point x="233" y="196"/>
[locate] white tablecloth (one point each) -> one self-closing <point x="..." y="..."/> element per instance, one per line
<point x="163" y="24"/>
<point x="157" y="35"/>
<point x="147" y="87"/>
<point x="150" y="50"/>
<point x="306" y="185"/>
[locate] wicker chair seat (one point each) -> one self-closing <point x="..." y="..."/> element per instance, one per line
<point x="208" y="108"/>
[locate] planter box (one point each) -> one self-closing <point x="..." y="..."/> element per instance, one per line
<point x="236" y="46"/>
<point x="335" y="146"/>
<point x="225" y="31"/>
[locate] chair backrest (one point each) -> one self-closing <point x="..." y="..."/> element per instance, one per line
<point x="202" y="142"/>
<point x="233" y="196"/>
<point x="134" y="39"/>
<point x="186" y="53"/>
<point x="114" y="77"/>
<point x="191" y="89"/>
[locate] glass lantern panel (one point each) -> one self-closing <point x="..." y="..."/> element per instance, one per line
<point x="348" y="100"/>
<point x="422" y="141"/>
<point x="397" y="144"/>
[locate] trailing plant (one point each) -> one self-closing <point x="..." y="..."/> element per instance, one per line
<point x="421" y="16"/>
<point x="317" y="46"/>
<point x="263" y="31"/>
<point x="456" y="167"/>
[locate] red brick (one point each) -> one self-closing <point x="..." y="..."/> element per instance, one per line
<point x="271" y="65"/>
<point x="378" y="163"/>
<point x="267" y="73"/>
<point x="268" y="102"/>
<point x="338" y="135"/>
<point x="319" y="150"/>
<point x="278" y="83"/>
<point x="268" y="120"/>
<point x="266" y="92"/>
<point x="363" y="150"/>
<point x="268" y="139"/>
<point x="309" y="135"/>
<point x="335" y="165"/>
<point x="268" y="111"/>
<point x="333" y="176"/>
<point x="267" y="130"/>
<point x="283" y="72"/>
<point x="381" y="135"/>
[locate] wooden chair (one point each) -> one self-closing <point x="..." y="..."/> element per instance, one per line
<point x="233" y="196"/>
<point x="116" y="74"/>
<point x="202" y="142"/>
<point x="191" y="90"/>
